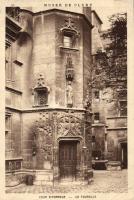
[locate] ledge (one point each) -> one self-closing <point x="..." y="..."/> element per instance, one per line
<point x="47" y="109"/>
<point x="99" y="161"/>
<point x="38" y="106"/>
<point x="14" y="90"/>
<point x="27" y="171"/>
<point x="68" y="48"/>
<point x="52" y="109"/>
<point x="117" y="128"/>
<point x="17" y="158"/>
<point x="117" y="117"/>
<point x="98" y="125"/>
<point x="13" y="109"/>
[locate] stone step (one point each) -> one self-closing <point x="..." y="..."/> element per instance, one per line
<point x="44" y="175"/>
<point x="42" y="182"/>
<point x="114" y="165"/>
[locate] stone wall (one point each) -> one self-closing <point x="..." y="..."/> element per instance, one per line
<point x="42" y="133"/>
<point x="44" y="52"/>
<point x="13" y="136"/>
<point x="61" y="61"/>
<point x="39" y="54"/>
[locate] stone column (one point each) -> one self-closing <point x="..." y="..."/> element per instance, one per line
<point x="55" y="149"/>
<point x="105" y="143"/>
<point x="84" y="152"/>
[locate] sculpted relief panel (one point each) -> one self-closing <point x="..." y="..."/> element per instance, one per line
<point x="43" y="141"/>
<point x="69" y="125"/>
<point x="51" y="126"/>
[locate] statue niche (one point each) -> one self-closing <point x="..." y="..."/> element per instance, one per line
<point x="69" y="78"/>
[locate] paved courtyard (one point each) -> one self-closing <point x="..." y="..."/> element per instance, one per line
<point x="104" y="181"/>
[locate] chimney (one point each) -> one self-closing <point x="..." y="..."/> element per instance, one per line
<point x="87" y="13"/>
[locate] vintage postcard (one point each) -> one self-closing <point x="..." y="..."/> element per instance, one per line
<point x="67" y="100"/>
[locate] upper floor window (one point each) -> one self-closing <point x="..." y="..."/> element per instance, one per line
<point x="97" y="94"/>
<point x="69" y="34"/>
<point x="93" y="139"/>
<point x="8" y="123"/>
<point x="96" y="117"/>
<point x="123" y="108"/>
<point x="8" y="70"/>
<point x="8" y="65"/>
<point x="68" y="40"/>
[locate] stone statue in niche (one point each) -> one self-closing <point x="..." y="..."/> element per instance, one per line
<point x="87" y="102"/>
<point x="69" y="94"/>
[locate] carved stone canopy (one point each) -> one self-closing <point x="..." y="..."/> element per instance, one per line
<point x="69" y="28"/>
<point x="40" y="84"/>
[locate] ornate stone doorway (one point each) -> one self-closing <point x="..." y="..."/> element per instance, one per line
<point x="68" y="159"/>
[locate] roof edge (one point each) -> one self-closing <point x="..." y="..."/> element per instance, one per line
<point x="93" y="11"/>
<point x="57" y="10"/>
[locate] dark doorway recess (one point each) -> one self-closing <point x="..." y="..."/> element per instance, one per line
<point x="124" y="155"/>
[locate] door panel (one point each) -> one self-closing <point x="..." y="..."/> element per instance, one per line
<point x="67" y="158"/>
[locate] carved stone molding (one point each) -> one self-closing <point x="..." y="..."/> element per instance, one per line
<point x="40" y="82"/>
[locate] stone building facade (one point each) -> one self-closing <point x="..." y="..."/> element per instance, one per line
<point x="48" y="102"/>
<point x="60" y="117"/>
<point x="109" y="102"/>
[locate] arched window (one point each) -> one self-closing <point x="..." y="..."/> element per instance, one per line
<point x="68" y="40"/>
<point x="96" y="117"/>
<point x="69" y="34"/>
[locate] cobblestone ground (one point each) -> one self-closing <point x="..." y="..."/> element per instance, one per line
<point x="104" y="181"/>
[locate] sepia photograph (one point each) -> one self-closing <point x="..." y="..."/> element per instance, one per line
<point x="66" y="102"/>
